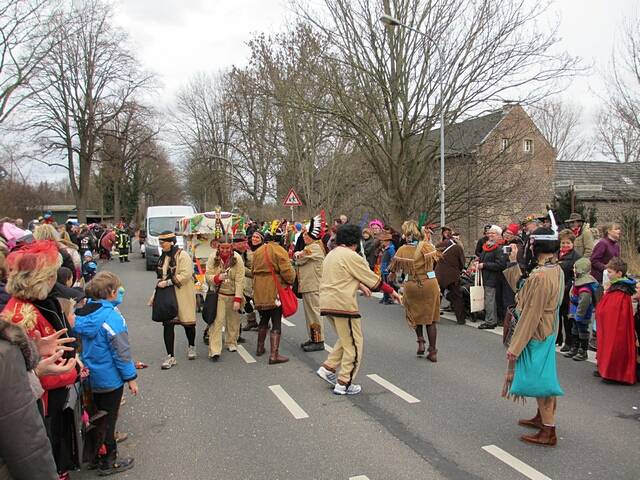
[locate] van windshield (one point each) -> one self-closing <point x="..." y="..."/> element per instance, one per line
<point x="157" y="225"/>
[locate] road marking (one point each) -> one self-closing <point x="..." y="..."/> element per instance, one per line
<point x="359" y="477"/>
<point x="288" y="402"/>
<point x="246" y="356"/>
<point x="515" y="463"/>
<point x="288" y="323"/>
<point x="393" y="389"/>
<point x="328" y="348"/>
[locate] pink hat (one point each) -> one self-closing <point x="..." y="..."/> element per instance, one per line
<point x="376" y="222"/>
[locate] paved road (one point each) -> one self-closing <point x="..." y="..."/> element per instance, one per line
<point x="203" y="420"/>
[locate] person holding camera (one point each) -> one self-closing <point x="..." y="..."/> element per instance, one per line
<point x="491" y="264"/>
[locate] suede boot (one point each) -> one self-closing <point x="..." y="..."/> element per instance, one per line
<point x="432" y="356"/>
<point x="535" y="422"/>
<point x="262" y="336"/>
<point x="546" y="437"/>
<point x="275" y="357"/>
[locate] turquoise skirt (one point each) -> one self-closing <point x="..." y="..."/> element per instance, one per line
<point x="535" y="374"/>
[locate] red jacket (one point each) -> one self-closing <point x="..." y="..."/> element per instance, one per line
<point x="25" y="314"/>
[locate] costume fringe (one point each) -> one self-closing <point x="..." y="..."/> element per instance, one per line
<point x="402" y="265"/>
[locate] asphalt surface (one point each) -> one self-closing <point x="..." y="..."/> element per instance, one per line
<point x="203" y="420"/>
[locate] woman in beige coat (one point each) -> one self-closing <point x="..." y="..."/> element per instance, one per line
<point x="225" y="274"/>
<point x="309" y="266"/>
<point x="175" y="270"/>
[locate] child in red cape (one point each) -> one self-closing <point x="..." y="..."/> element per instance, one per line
<point x="616" y="330"/>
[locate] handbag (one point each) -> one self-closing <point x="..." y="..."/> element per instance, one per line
<point x="165" y="304"/>
<point x="210" y="306"/>
<point x="288" y="299"/>
<point x="296" y="288"/>
<point x="476" y="294"/>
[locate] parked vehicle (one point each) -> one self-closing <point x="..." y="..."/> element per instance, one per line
<point x="159" y="219"/>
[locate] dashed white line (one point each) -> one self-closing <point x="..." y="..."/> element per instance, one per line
<point x="246" y="356"/>
<point x="393" y="389"/>
<point x="288" y="323"/>
<point x="328" y="348"/>
<point x="515" y="463"/>
<point x="359" y="477"/>
<point x="290" y="404"/>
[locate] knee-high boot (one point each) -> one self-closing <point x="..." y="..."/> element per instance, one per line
<point x="262" y="336"/>
<point x="275" y="357"/>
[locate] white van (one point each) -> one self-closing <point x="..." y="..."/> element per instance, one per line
<point x="158" y="220"/>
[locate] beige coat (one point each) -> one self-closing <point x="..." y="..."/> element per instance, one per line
<point x="233" y="286"/>
<point x="584" y="242"/>
<point x="264" y="288"/>
<point x="309" y="267"/>
<point x="185" y="287"/>
<point x="248" y="275"/>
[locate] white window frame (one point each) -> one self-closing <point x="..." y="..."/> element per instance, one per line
<point x="504" y="144"/>
<point x="524" y="145"/>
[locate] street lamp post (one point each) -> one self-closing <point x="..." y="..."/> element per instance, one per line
<point x="394" y="22"/>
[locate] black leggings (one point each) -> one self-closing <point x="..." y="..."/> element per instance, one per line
<point x="275" y="315"/>
<point x="110" y="403"/>
<point x="432" y="334"/>
<point x="169" y="336"/>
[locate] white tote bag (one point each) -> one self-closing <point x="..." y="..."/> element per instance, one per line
<point x="476" y="294"/>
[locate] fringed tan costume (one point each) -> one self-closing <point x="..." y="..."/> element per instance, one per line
<point x="421" y="290"/>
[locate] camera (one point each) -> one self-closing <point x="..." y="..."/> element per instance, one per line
<point x="507" y="249"/>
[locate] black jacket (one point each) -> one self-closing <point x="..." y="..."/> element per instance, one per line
<point x="494" y="262"/>
<point x="25" y="450"/>
<point x="566" y="263"/>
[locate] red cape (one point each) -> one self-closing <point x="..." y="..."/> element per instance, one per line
<point x="616" y="338"/>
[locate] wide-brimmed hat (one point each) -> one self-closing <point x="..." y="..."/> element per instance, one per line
<point x="531" y="218"/>
<point x="444" y="228"/>
<point x="574" y="217"/>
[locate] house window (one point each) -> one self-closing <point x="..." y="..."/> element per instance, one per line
<point x="627" y="180"/>
<point x="505" y="144"/>
<point x="528" y="146"/>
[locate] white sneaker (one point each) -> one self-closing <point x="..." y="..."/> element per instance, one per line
<point x="232" y="348"/>
<point x="352" y="389"/>
<point x="191" y="353"/>
<point x="327" y="375"/>
<point x="168" y="362"/>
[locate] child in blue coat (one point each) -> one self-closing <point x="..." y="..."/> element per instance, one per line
<point x="107" y="354"/>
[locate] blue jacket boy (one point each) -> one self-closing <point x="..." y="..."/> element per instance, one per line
<point x="105" y="345"/>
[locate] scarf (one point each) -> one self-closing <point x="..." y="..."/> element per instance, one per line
<point x="171" y="270"/>
<point x="565" y="250"/>
<point x="491" y="246"/>
<point x="576" y="231"/>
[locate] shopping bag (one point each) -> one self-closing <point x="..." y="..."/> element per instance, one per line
<point x="476" y="294"/>
<point x="210" y="306"/>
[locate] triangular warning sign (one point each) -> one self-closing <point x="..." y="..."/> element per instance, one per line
<point x="292" y="199"/>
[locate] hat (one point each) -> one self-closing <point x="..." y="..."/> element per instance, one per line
<point x="88" y="254"/>
<point x="574" y="217"/>
<point x="531" y="219"/>
<point x="444" y="228"/>
<point x="376" y="222"/>
<point x="167" y="236"/>
<point x="39" y="255"/>
<point x="316" y="226"/>
<point x="239" y="237"/>
<point x="513" y="229"/>
<point x="495" y="228"/>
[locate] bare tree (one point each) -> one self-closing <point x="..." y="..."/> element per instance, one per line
<point x="384" y="84"/>
<point x="560" y="122"/>
<point x="202" y="125"/>
<point x="87" y="80"/>
<point x="124" y="145"/>
<point x="26" y="27"/>
<point x="619" y="122"/>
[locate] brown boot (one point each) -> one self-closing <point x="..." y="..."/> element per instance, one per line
<point x="262" y="336"/>
<point x="275" y="357"/>
<point x="535" y="422"/>
<point x="420" y="351"/>
<point x="546" y="436"/>
<point x="432" y="356"/>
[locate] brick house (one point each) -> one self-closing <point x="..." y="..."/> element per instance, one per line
<point x="499" y="168"/>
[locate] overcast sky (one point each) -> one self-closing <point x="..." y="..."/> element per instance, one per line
<point x="177" y="38"/>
